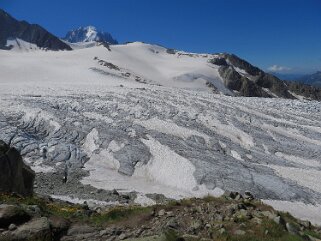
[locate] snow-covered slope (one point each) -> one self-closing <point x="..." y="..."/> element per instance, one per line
<point x="19" y="45"/>
<point x="89" y="34"/>
<point x="135" y="62"/>
<point x="141" y="118"/>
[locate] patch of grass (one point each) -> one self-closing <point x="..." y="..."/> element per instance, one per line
<point x="32" y="200"/>
<point x="118" y="214"/>
<point x="76" y="212"/>
<point x="312" y="233"/>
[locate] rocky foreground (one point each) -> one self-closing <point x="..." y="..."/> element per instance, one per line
<point x="231" y="217"/>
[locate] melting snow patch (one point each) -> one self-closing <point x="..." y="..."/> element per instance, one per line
<point x="38" y="166"/>
<point x="171" y="128"/>
<point x="306" y="177"/>
<point x="230" y="131"/>
<point x="90" y="142"/>
<point x="236" y="155"/>
<point x="167" y="167"/>
<point x="166" y="173"/>
<point x="299" y="160"/>
<point x="143" y="200"/>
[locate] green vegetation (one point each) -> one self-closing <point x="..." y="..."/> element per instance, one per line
<point x="77" y="212"/>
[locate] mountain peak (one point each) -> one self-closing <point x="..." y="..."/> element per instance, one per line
<point x="88" y="34"/>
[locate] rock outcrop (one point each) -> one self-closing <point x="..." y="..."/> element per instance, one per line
<point x="247" y="80"/>
<point x="15" y="175"/>
<point x="232" y="217"/>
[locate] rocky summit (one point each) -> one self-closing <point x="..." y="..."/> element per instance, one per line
<point x="89" y="34"/>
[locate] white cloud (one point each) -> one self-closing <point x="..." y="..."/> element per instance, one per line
<point x="278" y="68"/>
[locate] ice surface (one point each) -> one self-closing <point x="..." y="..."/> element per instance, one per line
<point x="171" y="136"/>
<point x="298" y="209"/>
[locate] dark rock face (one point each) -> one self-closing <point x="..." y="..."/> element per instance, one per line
<point x="242" y="64"/>
<point x="308" y="91"/>
<point x="11" y="28"/>
<point x="250" y="89"/>
<point x="15" y="176"/>
<point x="274" y="84"/>
<point x="219" y="61"/>
<point x="232" y="79"/>
<point x="252" y="83"/>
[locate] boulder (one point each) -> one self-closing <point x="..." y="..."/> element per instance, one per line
<point x="12" y="214"/>
<point x="36" y="229"/>
<point x="15" y="175"/>
<point x="59" y="226"/>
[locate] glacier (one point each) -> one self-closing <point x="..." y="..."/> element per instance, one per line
<point x="146" y="123"/>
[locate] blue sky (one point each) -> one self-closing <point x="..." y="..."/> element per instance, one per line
<point x="284" y="35"/>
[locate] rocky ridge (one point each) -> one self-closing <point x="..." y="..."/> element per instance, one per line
<point x="11" y="28"/>
<point x="231" y="217"/>
<point x="247" y="80"/>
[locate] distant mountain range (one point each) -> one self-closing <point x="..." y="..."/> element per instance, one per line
<point x="287" y="76"/>
<point x="89" y="34"/>
<point x="308" y="79"/>
<point x="312" y="79"/>
<point x="11" y="29"/>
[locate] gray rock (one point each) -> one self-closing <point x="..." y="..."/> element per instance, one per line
<point x="222" y="231"/>
<point x="306" y="224"/>
<point x="12" y="227"/>
<point x="15" y="175"/>
<point x="103" y="232"/>
<point x="59" y="226"/>
<point x="269" y="214"/>
<point x="11" y="214"/>
<point x="196" y="225"/>
<point x="161" y="212"/>
<point x="32" y="210"/>
<point x="248" y="195"/>
<point x="80" y="229"/>
<point x="122" y="236"/>
<point x="172" y="223"/>
<point x="292" y="229"/>
<point x="36" y="229"/>
<point x="239" y="232"/>
<point x="279" y="220"/>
